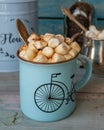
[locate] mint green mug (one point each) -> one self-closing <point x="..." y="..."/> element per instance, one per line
<point x="48" y="91"/>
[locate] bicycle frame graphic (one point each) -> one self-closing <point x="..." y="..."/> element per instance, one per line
<point x="49" y="97"/>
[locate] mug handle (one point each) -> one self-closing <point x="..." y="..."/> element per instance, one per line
<point x="87" y="74"/>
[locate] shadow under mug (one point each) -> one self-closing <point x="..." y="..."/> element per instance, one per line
<point x="48" y="91"/>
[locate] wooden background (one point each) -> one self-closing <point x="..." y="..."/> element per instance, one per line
<point x="51" y="18"/>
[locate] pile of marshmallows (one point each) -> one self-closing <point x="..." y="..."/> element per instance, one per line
<point x="49" y="48"/>
<point x="94" y="33"/>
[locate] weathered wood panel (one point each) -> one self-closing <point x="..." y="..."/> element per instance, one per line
<point x="88" y="115"/>
<point x="53" y="8"/>
<point x="54" y="26"/>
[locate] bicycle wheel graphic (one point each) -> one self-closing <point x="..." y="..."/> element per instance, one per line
<point x="49" y="97"/>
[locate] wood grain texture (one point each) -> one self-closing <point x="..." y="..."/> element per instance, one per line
<point x="52" y="8"/>
<point x="88" y="115"/>
<point x="55" y="26"/>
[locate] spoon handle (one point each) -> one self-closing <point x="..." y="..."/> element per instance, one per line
<point x="22" y="31"/>
<point x="71" y="17"/>
<point x="75" y="36"/>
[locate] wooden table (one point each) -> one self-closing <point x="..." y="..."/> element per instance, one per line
<point x="88" y="115"/>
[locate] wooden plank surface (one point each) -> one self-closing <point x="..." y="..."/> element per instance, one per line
<point x="88" y="115"/>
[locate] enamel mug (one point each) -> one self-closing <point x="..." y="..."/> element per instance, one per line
<point x="48" y="91"/>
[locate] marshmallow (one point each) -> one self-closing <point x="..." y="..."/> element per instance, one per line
<point x="50" y="60"/>
<point x="33" y="37"/>
<point x="62" y="48"/>
<point x="90" y="34"/>
<point x="102" y="31"/>
<point x="68" y="40"/>
<point x="32" y="47"/>
<point x="40" y="58"/>
<point x="94" y="33"/>
<point x="30" y="54"/>
<point x="22" y="53"/>
<point x="92" y="27"/>
<point x="49" y="48"/>
<point x="49" y="34"/>
<point x="25" y="57"/>
<point x="101" y="36"/>
<point x="87" y="33"/>
<point x="75" y="46"/>
<point x="68" y="56"/>
<point x="73" y="53"/>
<point x="48" y="51"/>
<point x="60" y="38"/>
<point x="40" y="44"/>
<point x="47" y="37"/>
<point x="57" y="58"/>
<point x="53" y="42"/>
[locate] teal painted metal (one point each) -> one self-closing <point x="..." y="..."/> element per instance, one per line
<point x="47" y="91"/>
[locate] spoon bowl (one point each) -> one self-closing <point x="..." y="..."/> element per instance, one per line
<point x="22" y="31"/>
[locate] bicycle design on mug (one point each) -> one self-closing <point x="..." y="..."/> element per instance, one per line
<point x="49" y="97"/>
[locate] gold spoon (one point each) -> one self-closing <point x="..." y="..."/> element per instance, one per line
<point x="72" y="18"/>
<point x="22" y="31"/>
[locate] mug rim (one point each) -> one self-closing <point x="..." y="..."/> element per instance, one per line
<point x="39" y="63"/>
